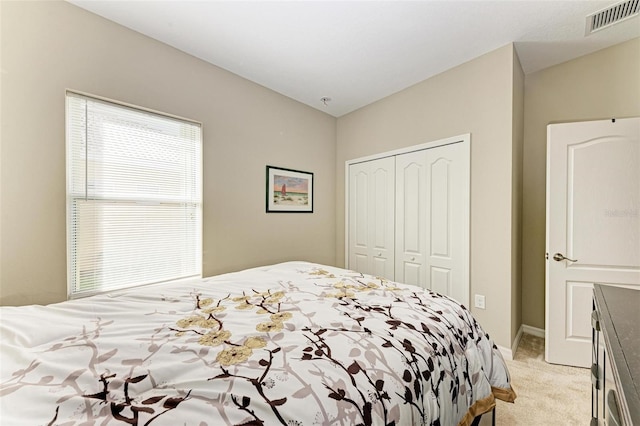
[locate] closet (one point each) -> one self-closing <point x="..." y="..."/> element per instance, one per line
<point x="408" y="216"/>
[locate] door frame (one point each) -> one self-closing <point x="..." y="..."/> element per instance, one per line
<point x="465" y="139"/>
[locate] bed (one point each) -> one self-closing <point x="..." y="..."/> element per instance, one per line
<point x="293" y="344"/>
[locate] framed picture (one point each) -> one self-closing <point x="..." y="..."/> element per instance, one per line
<point x="289" y="191"/>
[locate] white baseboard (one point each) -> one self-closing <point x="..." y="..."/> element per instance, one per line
<point x="507" y="353"/>
<point x="534" y="331"/>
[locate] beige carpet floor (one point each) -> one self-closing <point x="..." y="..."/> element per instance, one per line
<point x="548" y="394"/>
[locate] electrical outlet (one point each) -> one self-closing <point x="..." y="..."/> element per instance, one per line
<point x="479" y="301"/>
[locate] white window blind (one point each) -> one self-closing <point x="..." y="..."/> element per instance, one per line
<point x="134" y="196"/>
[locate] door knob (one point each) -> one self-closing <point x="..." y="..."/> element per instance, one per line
<point x="558" y="257"/>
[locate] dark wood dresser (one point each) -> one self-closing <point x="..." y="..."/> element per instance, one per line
<point x="615" y="372"/>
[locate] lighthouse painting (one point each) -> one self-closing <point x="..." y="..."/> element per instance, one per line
<point x="289" y="190"/>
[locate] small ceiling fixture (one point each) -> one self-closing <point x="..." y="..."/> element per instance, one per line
<point x="325" y="100"/>
<point x="612" y="15"/>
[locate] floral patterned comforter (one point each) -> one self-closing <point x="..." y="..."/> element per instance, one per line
<point x="292" y="344"/>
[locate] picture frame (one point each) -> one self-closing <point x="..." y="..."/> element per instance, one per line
<point x="289" y="191"/>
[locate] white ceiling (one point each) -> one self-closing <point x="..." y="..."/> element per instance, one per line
<point x="357" y="52"/>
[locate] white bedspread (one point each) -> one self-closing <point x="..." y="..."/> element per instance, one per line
<point x="294" y="344"/>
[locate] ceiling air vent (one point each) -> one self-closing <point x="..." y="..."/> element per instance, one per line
<point x="612" y="15"/>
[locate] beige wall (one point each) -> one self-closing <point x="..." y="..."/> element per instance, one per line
<point x="478" y="98"/>
<point x="48" y="47"/>
<point x="598" y="86"/>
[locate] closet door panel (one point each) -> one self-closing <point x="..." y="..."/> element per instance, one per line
<point x="383" y="210"/>
<point x="360" y="262"/>
<point x="439" y="220"/>
<point x="411" y="227"/>
<point x="440" y="206"/>
<point x="440" y="280"/>
<point x="380" y="267"/>
<point x="361" y="199"/>
<point x="448" y="219"/>
<point x="359" y="217"/>
<point x="371" y="217"/>
<point x="411" y="183"/>
<point x="411" y="273"/>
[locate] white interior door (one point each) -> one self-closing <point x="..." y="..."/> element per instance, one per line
<point x="371" y="217"/>
<point x="432" y="219"/>
<point x="411" y="218"/>
<point x="593" y="226"/>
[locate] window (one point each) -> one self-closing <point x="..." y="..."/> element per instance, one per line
<point x="134" y="196"/>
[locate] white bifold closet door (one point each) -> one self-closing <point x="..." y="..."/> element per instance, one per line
<point x="371" y="207"/>
<point x="408" y="218"/>
<point x="432" y="204"/>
